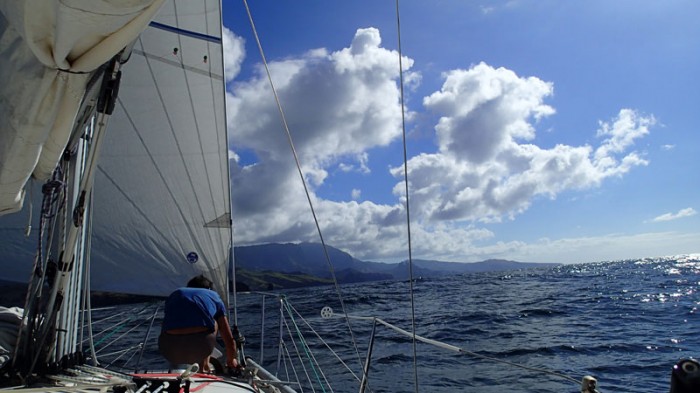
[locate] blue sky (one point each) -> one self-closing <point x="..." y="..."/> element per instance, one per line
<point x="546" y="131"/>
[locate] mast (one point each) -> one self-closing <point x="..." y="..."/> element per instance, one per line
<point x="53" y="337"/>
<point x="84" y="163"/>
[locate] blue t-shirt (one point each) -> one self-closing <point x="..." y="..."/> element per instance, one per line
<point x="192" y="307"/>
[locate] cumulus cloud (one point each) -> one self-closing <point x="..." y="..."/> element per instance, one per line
<point x="342" y="106"/>
<point x="234" y="54"/>
<point x="687" y="212"/>
<point x="483" y="109"/>
<point x="338" y="105"/>
<point x="485" y="169"/>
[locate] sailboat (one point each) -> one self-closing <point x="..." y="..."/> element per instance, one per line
<point x="114" y="154"/>
<point x="115" y="162"/>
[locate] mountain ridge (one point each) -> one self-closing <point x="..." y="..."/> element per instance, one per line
<point x="258" y="267"/>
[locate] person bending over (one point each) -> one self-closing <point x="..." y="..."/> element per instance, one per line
<point x="192" y="317"/>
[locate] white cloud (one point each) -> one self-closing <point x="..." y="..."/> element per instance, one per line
<point x="343" y="105"/>
<point x="620" y="134"/>
<point x="485" y="170"/>
<point x="483" y="110"/>
<point x="234" y="53"/>
<point x="338" y="106"/>
<point x="687" y="212"/>
<point x="233" y="156"/>
<point x="668" y="147"/>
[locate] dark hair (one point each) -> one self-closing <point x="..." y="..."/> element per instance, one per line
<point x="200" y="282"/>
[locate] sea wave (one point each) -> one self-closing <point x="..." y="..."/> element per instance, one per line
<point x="626" y="323"/>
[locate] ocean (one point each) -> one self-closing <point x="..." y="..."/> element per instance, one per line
<point x="625" y="323"/>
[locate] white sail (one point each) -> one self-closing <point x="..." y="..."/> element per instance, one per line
<point x="162" y="190"/>
<point x="161" y="204"/>
<point x="48" y="59"/>
<point x="161" y="210"/>
<point x="141" y="195"/>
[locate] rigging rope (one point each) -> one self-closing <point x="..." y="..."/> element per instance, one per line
<point x="303" y="180"/>
<point x="115" y="328"/>
<point x="305" y="346"/>
<point x="408" y="210"/>
<point x="318" y="336"/>
<point x="291" y="308"/>
<point x="33" y="336"/>
<point x="288" y="359"/>
<point x="301" y="361"/>
<point x="410" y="260"/>
<point x="462" y="351"/>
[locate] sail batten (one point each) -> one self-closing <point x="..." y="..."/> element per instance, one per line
<point x="188" y="33"/>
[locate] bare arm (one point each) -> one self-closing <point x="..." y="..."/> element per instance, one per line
<point x="231" y="350"/>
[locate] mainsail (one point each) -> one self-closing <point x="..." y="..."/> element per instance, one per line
<point x="160" y="208"/>
<point x="161" y="197"/>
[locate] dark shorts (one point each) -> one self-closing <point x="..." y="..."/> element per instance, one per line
<point x="186" y="348"/>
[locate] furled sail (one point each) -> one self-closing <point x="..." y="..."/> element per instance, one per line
<point x="161" y="198"/>
<point x="47" y="61"/>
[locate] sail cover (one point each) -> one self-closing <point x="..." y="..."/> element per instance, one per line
<point x="161" y="197"/>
